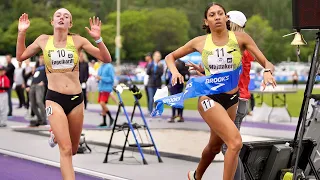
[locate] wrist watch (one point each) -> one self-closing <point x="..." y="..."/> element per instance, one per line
<point x="268" y="70"/>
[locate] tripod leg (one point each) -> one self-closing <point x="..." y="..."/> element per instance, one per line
<point x="135" y="137"/>
<point x="125" y="142"/>
<point x="145" y="123"/>
<point x="114" y="126"/>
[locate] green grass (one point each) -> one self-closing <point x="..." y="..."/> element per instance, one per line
<point x="294" y="101"/>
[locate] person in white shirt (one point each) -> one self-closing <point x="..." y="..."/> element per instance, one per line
<point x="92" y="83"/>
<point x="20" y="86"/>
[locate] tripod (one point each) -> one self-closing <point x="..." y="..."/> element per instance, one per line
<point x="304" y="109"/>
<point x="130" y="126"/>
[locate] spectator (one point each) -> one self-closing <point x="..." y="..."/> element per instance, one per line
<point x="148" y="59"/>
<point x="253" y="84"/>
<point x="84" y="75"/>
<point x="295" y="79"/>
<point x="155" y="71"/>
<point x="106" y="80"/>
<point x="20" y="86"/>
<point x="92" y="83"/>
<point x="37" y="90"/>
<point x="4" y="87"/>
<point x="178" y="88"/>
<point x="10" y="74"/>
<point x="27" y="79"/>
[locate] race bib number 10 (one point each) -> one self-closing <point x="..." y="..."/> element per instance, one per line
<point x="62" y="59"/>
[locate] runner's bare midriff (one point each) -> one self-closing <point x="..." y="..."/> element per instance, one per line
<point x="64" y="83"/>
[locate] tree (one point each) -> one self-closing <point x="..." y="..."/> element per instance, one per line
<point x="277" y="48"/>
<point x="258" y="28"/>
<point x="169" y="29"/>
<point x="37" y="27"/>
<point x="108" y="33"/>
<point x="134" y="33"/>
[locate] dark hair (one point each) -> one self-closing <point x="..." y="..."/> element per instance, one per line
<point x="37" y="64"/>
<point x="204" y="26"/>
<point x="148" y="54"/>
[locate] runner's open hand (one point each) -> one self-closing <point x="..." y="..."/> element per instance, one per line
<point x="268" y="79"/>
<point x="24" y="23"/>
<point x="95" y="25"/>
<point x="177" y="78"/>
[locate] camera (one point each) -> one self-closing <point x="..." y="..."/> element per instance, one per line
<point x="134" y="89"/>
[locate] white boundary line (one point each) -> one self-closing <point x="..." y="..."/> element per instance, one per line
<point x="56" y="164"/>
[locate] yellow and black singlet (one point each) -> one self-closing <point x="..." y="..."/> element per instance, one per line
<point x="61" y="60"/>
<point x="218" y="59"/>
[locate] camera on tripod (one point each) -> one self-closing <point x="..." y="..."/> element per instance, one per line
<point x="134" y="89"/>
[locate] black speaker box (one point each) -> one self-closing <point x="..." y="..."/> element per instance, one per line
<point x="255" y="156"/>
<point x="306" y="14"/>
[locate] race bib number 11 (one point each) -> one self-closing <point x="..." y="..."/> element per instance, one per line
<point x="220" y="61"/>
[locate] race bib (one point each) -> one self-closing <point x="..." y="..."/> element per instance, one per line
<point x="49" y="111"/>
<point x="220" y="61"/>
<point x="62" y="59"/>
<point x="36" y="74"/>
<point x="29" y="82"/>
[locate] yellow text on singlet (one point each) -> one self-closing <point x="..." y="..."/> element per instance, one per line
<point x="61" y="60"/>
<point x="218" y="59"/>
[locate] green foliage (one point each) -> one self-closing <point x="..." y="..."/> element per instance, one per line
<point x="134" y="32"/>
<point x="169" y="29"/>
<point x="259" y="29"/>
<point x="148" y="25"/>
<point x="10" y="36"/>
<point x="143" y="31"/>
<point x="108" y="33"/>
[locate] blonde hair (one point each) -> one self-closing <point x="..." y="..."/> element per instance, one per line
<point x="236" y="27"/>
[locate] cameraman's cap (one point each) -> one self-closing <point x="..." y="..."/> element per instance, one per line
<point x="237" y="17"/>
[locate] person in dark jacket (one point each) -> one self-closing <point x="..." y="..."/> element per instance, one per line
<point x="178" y="88"/>
<point x="84" y="75"/>
<point x="155" y="71"/>
<point x="37" y="93"/>
<point x="10" y="74"/>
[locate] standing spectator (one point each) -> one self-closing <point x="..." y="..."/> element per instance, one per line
<point x="178" y="88"/>
<point x="37" y="90"/>
<point x="295" y="79"/>
<point x="10" y="74"/>
<point x="155" y="71"/>
<point x="148" y="59"/>
<point x="4" y="87"/>
<point x="253" y="84"/>
<point x="92" y="83"/>
<point x="106" y="79"/>
<point x="84" y="75"/>
<point x="27" y="78"/>
<point x="20" y="86"/>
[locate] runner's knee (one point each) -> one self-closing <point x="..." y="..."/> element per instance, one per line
<point x="235" y="143"/>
